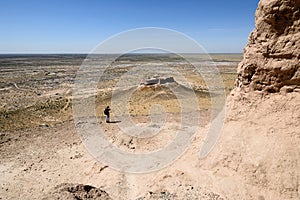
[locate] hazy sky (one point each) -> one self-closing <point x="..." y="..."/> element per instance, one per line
<point x="77" y="26"/>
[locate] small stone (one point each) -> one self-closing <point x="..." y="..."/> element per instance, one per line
<point x="287" y="89"/>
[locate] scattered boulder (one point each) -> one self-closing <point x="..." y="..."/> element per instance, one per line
<point x="69" y="191"/>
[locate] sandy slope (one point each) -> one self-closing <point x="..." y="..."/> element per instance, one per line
<point x="256" y="157"/>
<point x="260" y="145"/>
<point x="36" y="160"/>
<point x="42" y="156"/>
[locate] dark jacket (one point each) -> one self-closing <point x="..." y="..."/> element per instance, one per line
<point x="106" y="111"/>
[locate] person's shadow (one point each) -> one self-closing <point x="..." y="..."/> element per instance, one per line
<point x="114" y="122"/>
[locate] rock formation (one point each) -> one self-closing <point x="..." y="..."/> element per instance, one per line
<point x="257" y="153"/>
<point x="70" y="191"/>
<point x="271" y="58"/>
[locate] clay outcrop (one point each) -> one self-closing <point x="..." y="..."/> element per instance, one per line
<point x="271" y="58"/>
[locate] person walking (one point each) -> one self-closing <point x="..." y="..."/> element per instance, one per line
<point x="106" y="113"/>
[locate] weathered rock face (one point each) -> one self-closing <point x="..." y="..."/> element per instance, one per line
<point x="258" y="149"/>
<point x="71" y="191"/>
<point x="271" y="58"/>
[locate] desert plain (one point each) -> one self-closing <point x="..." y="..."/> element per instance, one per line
<point x="42" y="155"/>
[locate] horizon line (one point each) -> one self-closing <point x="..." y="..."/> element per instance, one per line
<point x="70" y="53"/>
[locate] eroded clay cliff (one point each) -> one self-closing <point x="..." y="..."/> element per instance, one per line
<point x="258" y="151"/>
<point x="271" y="58"/>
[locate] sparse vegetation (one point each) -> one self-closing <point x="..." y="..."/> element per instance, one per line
<point x="37" y="90"/>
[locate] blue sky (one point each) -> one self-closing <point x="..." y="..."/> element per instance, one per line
<point x="77" y="26"/>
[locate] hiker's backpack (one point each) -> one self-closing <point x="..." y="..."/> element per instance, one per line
<point x="105" y="112"/>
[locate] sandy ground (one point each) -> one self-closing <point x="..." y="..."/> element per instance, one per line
<point x="42" y="155"/>
<point x="56" y="155"/>
<point x="257" y="162"/>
